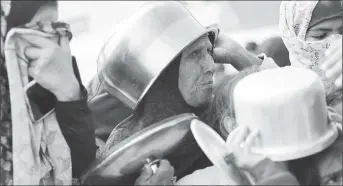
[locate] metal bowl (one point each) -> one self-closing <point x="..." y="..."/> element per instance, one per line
<point x="128" y="157"/>
<point x="144" y="45"/>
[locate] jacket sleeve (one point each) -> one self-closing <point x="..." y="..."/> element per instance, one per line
<point x="268" y="172"/>
<point x="76" y="123"/>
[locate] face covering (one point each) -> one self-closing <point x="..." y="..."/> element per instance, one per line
<point x="295" y="17"/>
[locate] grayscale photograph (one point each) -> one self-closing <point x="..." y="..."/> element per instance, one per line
<point x="171" y="92"/>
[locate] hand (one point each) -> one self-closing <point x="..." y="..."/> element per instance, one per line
<point x="230" y="52"/>
<point x="260" y="167"/>
<point x="239" y="142"/>
<point x="51" y="66"/>
<point x="332" y="66"/>
<point x="163" y="175"/>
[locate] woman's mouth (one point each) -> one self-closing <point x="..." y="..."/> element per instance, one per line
<point x="207" y="83"/>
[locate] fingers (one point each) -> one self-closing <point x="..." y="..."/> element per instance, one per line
<point x="335" y="71"/>
<point x="64" y="43"/>
<point x="220" y="55"/>
<point x="332" y="56"/>
<point x="164" y="172"/>
<point x="39" y="41"/>
<point x="332" y="59"/>
<point x="146" y="174"/>
<point x="250" y="141"/>
<point x="232" y="136"/>
<point x="241" y="136"/>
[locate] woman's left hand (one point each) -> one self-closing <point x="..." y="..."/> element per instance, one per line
<point x="332" y="66"/>
<point x="240" y="142"/>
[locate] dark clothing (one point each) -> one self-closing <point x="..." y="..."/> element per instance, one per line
<point x="163" y="100"/>
<point x="76" y="123"/>
<point x="108" y="111"/>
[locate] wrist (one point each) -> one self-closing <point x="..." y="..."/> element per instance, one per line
<point x="245" y="59"/>
<point x="265" y="169"/>
<point x="71" y="92"/>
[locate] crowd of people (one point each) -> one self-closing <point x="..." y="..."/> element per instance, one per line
<point x="87" y="122"/>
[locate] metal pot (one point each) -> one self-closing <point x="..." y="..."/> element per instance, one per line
<point x="143" y="47"/>
<point x="146" y="146"/>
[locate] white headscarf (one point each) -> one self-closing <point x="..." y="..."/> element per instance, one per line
<point x="295" y="17"/>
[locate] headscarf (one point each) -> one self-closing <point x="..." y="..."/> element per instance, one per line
<point x="163" y="100"/>
<point x="31" y="153"/>
<point x="295" y="17"/>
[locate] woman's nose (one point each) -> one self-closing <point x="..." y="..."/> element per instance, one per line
<point x="208" y="65"/>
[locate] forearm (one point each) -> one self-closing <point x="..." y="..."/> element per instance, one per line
<point x="243" y="59"/>
<point x="75" y="121"/>
<point x="268" y="172"/>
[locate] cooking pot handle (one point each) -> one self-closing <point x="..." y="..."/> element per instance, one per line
<point x="153" y="163"/>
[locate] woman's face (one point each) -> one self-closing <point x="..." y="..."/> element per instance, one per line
<point x="196" y="73"/>
<point x="46" y="13"/>
<point x="326" y="21"/>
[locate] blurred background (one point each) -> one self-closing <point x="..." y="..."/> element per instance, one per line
<point x="93" y="22"/>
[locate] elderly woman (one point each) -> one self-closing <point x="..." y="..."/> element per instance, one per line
<point x="182" y="80"/>
<point x="74" y="131"/>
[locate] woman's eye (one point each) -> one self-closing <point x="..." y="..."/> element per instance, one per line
<point x="321" y="36"/>
<point x="195" y="53"/>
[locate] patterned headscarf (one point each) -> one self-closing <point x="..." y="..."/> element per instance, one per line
<point x="295" y="17"/>
<point x="39" y="150"/>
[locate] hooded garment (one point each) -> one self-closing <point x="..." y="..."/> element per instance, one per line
<point x="163" y="100"/>
<point x="295" y="17"/>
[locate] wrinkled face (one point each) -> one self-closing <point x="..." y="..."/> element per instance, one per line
<point x="196" y="72"/>
<point x="47" y="13"/>
<point x="326" y="21"/>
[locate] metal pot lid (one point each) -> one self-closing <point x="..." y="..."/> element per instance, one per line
<point x="143" y="46"/>
<point x="129" y="156"/>
<point x="218" y="153"/>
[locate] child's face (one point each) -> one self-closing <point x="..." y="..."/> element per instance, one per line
<point x="326" y="21"/>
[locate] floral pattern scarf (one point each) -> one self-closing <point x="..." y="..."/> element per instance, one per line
<point x="31" y="153"/>
<point x="295" y="17"/>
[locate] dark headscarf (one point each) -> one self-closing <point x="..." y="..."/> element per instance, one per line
<point x="164" y="100"/>
<point x="23" y="11"/>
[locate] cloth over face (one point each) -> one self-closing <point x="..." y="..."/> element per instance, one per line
<point x="40" y="153"/>
<point x="295" y="17"/>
